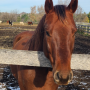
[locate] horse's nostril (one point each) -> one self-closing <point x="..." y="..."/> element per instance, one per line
<point x="71" y="75"/>
<point x="56" y="76"/>
<point x="63" y="78"/>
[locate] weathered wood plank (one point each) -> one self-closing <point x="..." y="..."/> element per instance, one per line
<point x="36" y="58"/>
<point x="80" y="61"/>
<point x="22" y="57"/>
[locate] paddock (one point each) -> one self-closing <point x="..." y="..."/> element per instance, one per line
<point x="81" y="78"/>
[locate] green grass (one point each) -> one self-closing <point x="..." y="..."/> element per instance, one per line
<point x="82" y="33"/>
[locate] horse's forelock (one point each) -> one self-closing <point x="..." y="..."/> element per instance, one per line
<point x="60" y="11"/>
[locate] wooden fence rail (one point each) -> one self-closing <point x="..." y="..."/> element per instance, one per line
<point x="36" y="58"/>
<point x="84" y="28"/>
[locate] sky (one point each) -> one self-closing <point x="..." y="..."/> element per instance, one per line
<point x="24" y="5"/>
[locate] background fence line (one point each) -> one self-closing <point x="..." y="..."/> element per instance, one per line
<point x="83" y="27"/>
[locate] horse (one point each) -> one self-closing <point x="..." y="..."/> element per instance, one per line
<point x="10" y="22"/>
<point x="7" y="21"/>
<point x="55" y="36"/>
<point x="0" y="22"/>
<point x="21" y="23"/>
<point x="30" y="23"/>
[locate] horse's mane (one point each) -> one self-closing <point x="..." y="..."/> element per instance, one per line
<point x="36" y="42"/>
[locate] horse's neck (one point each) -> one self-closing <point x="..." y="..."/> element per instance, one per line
<point x="36" y="42"/>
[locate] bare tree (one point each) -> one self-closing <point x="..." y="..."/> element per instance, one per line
<point x="5" y="16"/>
<point x="33" y="10"/>
<point x="65" y="2"/>
<point x="79" y="10"/>
<point x="33" y="14"/>
<point x="41" y="10"/>
<point x="0" y="15"/>
<point x="13" y="16"/>
<point x="9" y="16"/>
<point x="79" y="16"/>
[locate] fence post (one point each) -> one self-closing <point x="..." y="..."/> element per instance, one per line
<point x="86" y="31"/>
<point x="84" y="28"/>
<point x="89" y="30"/>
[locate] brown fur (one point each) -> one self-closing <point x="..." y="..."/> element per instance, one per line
<point x="55" y="37"/>
<point x="30" y="23"/>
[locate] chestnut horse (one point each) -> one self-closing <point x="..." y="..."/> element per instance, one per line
<point x="30" y="23"/>
<point x="55" y="36"/>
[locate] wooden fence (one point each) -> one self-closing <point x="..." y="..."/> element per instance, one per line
<point x="36" y="58"/>
<point x="83" y="28"/>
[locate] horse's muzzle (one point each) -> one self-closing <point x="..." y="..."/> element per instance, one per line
<point x="62" y="78"/>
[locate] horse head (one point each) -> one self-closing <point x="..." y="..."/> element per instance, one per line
<point x="59" y="39"/>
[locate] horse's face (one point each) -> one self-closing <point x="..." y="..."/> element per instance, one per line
<point x="59" y="39"/>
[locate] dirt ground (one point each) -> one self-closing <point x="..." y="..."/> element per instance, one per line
<point x="7" y="34"/>
<point x="81" y="79"/>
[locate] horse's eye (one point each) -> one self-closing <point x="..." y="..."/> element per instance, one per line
<point x="74" y="34"/>
<point x="47" y="33"/>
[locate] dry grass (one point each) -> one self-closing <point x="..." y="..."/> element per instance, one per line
<point x="17" y="23"/>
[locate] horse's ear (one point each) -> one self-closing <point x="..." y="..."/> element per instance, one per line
<point x="49" y="6"/>
<point x="73" y="5"/>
